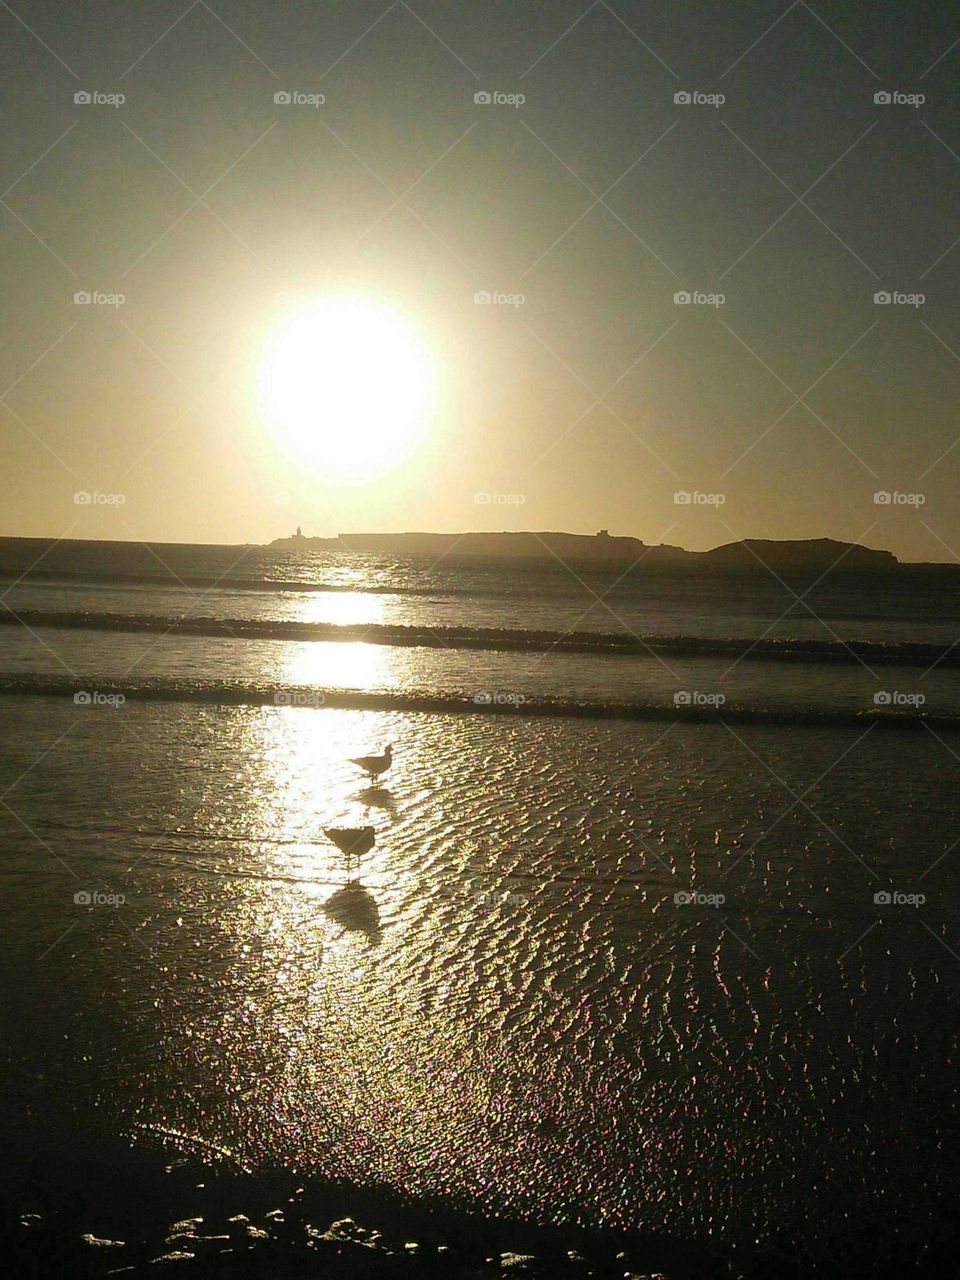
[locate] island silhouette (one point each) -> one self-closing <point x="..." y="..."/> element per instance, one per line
<point x="604" y="548"/>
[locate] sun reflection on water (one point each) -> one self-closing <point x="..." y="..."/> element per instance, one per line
<point x="345" y="608"/>
<point x="353" y="665"/>
<point x="304" y="784"/>
<point x="343" y="1005"/>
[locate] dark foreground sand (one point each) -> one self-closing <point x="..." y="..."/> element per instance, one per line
<point x="132" y="1227"/>
<point x="79" y="1204"/>
<point x="75" y="1203"/>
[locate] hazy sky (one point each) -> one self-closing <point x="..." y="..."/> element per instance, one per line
<point x="215" y="211"/>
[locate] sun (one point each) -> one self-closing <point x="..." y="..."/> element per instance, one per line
<point x="347" y="385"/>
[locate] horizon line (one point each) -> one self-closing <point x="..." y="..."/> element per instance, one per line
<point x="601" y="535"/>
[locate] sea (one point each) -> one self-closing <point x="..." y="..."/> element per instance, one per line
<point x="660" y="934"/>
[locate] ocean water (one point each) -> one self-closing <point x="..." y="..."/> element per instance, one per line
<point x="680" y="976"/>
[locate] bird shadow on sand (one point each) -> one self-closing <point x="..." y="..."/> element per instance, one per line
<point x="355" y="908"/>
<point x="377" y="798"/>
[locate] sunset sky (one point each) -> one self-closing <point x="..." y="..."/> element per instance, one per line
<point x="589" y="396"/>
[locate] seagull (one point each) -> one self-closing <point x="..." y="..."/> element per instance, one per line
<point x="353" y="842"/>
<point x="373" y="766"/>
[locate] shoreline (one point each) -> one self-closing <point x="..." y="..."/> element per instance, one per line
<point x="82" y="1201"/>
<point x="103" y="1207"/>
<point x="93" y="1205"/>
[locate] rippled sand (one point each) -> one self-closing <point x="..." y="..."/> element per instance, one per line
<point x="514" y="1008"/>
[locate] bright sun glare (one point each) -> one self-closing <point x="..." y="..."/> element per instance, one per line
<point x="347" y="385"/>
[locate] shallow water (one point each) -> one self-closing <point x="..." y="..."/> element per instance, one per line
<point x="306" y="671"/>
<point x="514" y="1009"/>
<point x="517" y="1010"/>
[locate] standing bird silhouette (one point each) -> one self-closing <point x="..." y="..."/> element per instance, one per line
<point x="373" y="766"/>
<point x="353" y="843"/>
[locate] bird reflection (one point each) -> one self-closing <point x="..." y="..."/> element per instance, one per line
<point x="378" y="798"/>
<point x="354" y="908"/>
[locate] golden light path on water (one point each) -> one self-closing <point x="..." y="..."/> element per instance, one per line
<point x="394" y="1032"/>
<point x="331" y="665"/>
<point x="359" y="1077"/>
<point x="353" y="608"/>
<point x="347" y="1034"/>
<point x="516" y="1010"/>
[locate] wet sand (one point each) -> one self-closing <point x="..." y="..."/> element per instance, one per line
<point x="544" y="1017"/>
<point x="84" y="1204"/>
